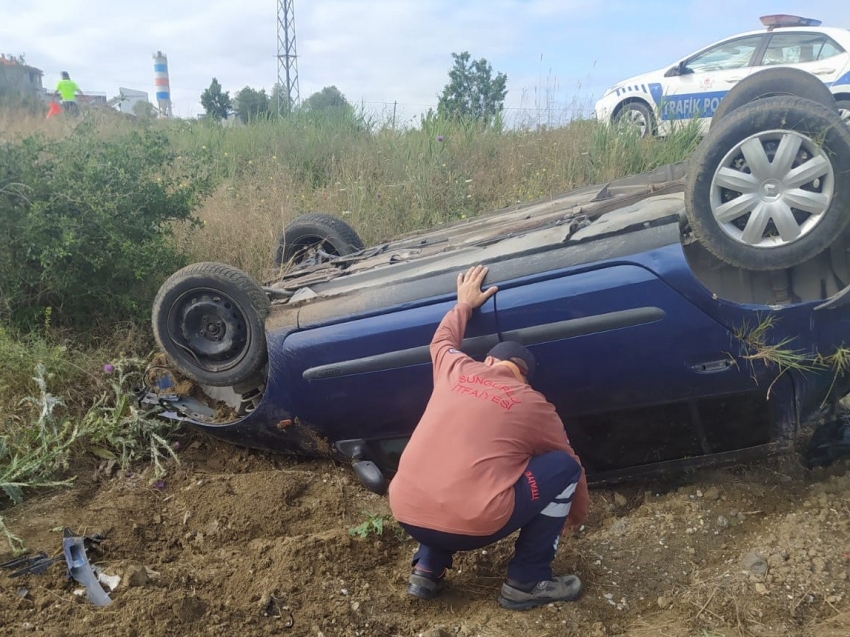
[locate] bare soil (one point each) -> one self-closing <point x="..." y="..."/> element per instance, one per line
<point x="238" y="542"/>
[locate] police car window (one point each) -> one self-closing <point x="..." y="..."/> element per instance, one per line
<point x="794" y="48"/>
<point x="733" y="54"/>
<point x="830" y="49"/>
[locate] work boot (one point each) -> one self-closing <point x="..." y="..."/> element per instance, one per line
<point x="424" y="585"/>
<point x="522" y="596"/>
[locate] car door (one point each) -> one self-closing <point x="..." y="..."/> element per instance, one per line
<point x="371" y="377"/>
<point x="696" y="86"/>
<point x="810" y="51"/>
<point x="637" y="372"/>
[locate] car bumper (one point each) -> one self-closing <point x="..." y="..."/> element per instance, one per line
<point x="603" y="110"/>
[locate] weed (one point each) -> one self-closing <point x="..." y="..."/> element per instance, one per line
<point x="755" y="341"/>
<point x="117" y="428"/>
<point x="375" y="524"/>
<point x="15" y="543"/>
<point x="30" y="455"/>
<point x="757" y="348"/>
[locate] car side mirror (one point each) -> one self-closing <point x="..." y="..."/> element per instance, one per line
<point x="370" y="476"/>
<point x="680" y="69"/>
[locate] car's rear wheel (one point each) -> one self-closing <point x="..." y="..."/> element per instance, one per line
<point x="773" y="82"/>
<point x="636" y="116"/>
<point x="209" y="319"/>
<point x="762" y="192"/>
<point x="316" y="238"/>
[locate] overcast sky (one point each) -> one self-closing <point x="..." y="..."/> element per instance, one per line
<point x="559" y="55"/>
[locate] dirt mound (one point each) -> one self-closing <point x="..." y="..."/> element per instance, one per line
<point x="240" y="542"/>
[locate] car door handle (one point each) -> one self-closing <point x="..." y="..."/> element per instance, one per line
<point x="823" y="71"/>
<point x="712" y="367"/>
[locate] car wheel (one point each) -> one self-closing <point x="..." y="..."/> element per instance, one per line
<point x="773" y="82"/>
<point x="844" y="110"/>
<point x="316" y="238"/>
<point x="761" y="191"/>
<point x="209" y="319"/>
<point x="636" y="116"/>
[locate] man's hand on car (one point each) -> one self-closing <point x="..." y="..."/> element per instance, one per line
<point x="469" y="287"/>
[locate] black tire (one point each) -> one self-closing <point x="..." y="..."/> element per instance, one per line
<point x="637" y="115"/>
<point x="843" y="107"/>
<point x="316" y="236"/>
<point x="209" y="319"/>
<point x="783" y="233"/>
<point x="773" y="82"/>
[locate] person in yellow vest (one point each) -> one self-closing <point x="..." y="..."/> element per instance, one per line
<point x="67" y="91"/>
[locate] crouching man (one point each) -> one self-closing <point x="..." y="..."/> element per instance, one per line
<point x="490" y="456"/>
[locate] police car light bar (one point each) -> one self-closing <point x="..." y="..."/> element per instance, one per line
<point x="783" y="20"/>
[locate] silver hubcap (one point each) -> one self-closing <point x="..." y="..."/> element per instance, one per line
<point x="772" y="189"/>
<point x="636" y="120"/>
<point x="845" y="115"/>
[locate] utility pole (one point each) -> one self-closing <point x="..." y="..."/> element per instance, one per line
<point x="287" y="60"/>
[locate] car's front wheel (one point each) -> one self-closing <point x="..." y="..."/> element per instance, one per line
<point x="763" y="188"/>
<point x="636" y="116"/>
<point x="844" y="110"/>
<point x="209" y="319"/>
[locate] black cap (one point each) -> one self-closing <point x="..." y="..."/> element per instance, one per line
<point x="518" y="354"/>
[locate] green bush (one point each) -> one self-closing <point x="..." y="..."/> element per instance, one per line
<point x="87" y="224"/>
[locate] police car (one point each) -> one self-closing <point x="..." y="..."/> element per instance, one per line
<point x="694" y="86"/>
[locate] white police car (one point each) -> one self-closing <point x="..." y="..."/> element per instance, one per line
<point x="694" y="86"/>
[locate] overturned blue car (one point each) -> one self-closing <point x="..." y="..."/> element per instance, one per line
<point x="696" y="314"/>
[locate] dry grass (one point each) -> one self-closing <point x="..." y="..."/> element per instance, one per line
<point x="103" y="122"/>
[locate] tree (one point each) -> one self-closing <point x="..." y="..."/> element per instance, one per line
<point x="252" y="105"/>
<point x="216" y="102"/>
<point x="472" y="92"/>
<point x="144" y="110"/>
<point x="328" y="99"/>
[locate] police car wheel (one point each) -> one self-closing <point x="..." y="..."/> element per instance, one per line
<point x="774" y="82"/>
<point x="762" y="192"/>
<point x="636" y="116"/>
<point x="209" y="319"/>
<point x="844" y="110"/>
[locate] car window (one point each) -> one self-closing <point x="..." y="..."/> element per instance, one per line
<point x="799" y="48"/>
<point x="829" y="49"/>
<point x="732" y="54"/>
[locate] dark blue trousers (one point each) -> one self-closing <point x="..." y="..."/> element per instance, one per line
<point x="543" y="497"/>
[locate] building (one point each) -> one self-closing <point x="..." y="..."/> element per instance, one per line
<point x="19" y="78"/>
<point x="127" y="100"/>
